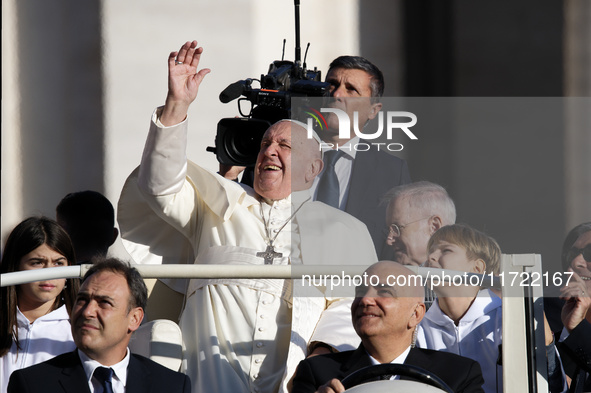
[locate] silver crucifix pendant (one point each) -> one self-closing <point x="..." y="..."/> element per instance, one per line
<point x="269" y="254"/>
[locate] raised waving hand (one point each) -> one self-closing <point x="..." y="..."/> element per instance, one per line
<point x="183" y="82"/>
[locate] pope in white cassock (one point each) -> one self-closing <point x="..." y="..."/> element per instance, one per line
<point x="240" y="335"/>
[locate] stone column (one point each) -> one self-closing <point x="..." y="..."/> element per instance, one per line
<point x="577" y="139"/>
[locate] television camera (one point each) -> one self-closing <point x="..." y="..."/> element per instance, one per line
<point x="238" y="140"/>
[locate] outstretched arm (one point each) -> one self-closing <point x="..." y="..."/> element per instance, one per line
<point x="183" y="82"/>
<point x="163" y="166"/>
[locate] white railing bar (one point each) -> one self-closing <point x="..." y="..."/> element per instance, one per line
<point x="218" y="271"/>
<point x="25" y="276"/>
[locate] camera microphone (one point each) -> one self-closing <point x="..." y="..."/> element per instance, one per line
<point x="234" y="91"/>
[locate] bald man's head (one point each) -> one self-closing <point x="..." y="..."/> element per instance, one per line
<point x="307" y="158"/>
<point x="386" y="312"/>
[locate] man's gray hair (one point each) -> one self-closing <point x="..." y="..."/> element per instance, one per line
<point x="429" y="197"/>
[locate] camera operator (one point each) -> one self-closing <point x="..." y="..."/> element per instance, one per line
<point x="364" y="177"/>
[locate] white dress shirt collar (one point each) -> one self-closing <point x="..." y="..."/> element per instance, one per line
<point x="399" y="360"/>
<point x="119" y="372"/>
<point x="347" y="147"/>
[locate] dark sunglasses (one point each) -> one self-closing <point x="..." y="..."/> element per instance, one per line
<point x="575" y="252"/>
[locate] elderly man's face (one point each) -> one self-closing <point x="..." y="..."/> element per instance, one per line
<point x="351" y="92"/>
<point x="578" y="263"/>
<point x="288" y="161"/>
<point x="386" y="311"/>
<point x="410" y="247"/>
<point x="272" y="175"/>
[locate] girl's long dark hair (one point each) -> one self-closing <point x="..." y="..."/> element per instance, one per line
<point x="24" y="238"/>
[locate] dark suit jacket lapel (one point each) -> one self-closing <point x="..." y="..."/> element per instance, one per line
<point x="363" y="201"/>
<point x="364" y="166"/>
<point x="73" y="377"/>
<point x="138" y="377"/>
<point x="358" y="360"/>
<point x="417" y="358"/>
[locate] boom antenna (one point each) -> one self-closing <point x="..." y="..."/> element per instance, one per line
<point x="298" y="50"/>
<point x="306" y="54"/>
<point x="283" y="52"/>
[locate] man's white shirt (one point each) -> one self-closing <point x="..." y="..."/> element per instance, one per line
<point x="399" y="360"/>
<point x="119" y="373"/>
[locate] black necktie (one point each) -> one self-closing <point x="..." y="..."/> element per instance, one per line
<point x="104" y="375"/>
<point x="328" y="186"/>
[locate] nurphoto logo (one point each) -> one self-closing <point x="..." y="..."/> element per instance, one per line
<point x="395" y="120"/>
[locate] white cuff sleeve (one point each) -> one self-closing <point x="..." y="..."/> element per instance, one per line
<point x="164" y="162"/>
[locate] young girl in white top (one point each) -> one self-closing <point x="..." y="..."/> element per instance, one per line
<point x="34" y="323"/>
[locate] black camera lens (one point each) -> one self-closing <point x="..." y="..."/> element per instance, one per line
<point x="243" y="145"/>
<point x="238" y="140"/>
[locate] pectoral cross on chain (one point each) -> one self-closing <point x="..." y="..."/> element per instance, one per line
<point x="269" y="254"/>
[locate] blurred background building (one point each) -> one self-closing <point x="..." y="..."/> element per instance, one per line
<point x="80" y="80"/>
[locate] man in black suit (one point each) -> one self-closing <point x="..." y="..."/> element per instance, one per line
<point x="364" y="175"/>
<point x="108" y="309"/>
<point x="385" y="315"/>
